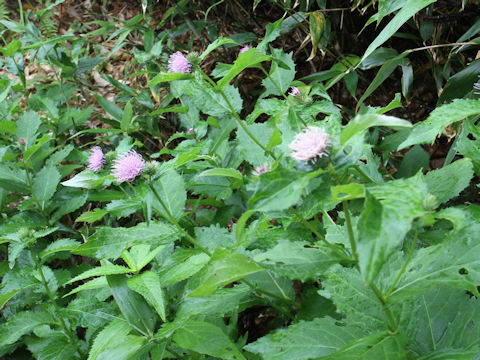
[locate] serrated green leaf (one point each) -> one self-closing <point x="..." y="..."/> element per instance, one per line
<point x="86" y="179"/>
<point x="224" y="268"/>
<point x="385" y="221"/>
<point x="231" y="173"/>
<point x="27" y="126"/>
<point x="360" y="123"/>
<point x="52" y="349"/>
<point x="378" y="346"/>
<point x="92" y="216"/>
<point x="96" y="283"/>
<point x="110" y="108"/>
<point x="68" y="200"/>
<point x="425" y="132"/>
<point x="137" y="312"/>
<point x="108" y="243"/>
<point x="45" y="183"/>
<point x="295" y="261"/>
<point x="305" y="340"/>
<point x="100" y="271"/>
<point x="59" y="246"/>
<point x="171" y="189"/>
<point x="131" y="347"/>
<point x="21" y="324"/>
<point x="111" y="336"/>
<point x="347" y="192"/>
<point x="219" y="303"/>
<point x="250" y="150"/>
<point x="13" y="179"/>
<point x="449" y="181"/>
<point x="8" y="127"/>
<point x="281" y="76"/>
<point x="249" y="58"/>
<point x="208" y="339"/>
<point x="181" y="265"/>
<point x="167" y="77"/>
<point x="127" y="116"/>
<point x="147" y="284"/>
<point x="445" y="325"/>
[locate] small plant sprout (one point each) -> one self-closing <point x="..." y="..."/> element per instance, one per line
<point x="311" y="143"/>
<point x="96" y="159"/>
<point x="178" y="63"/>
<point x="128" y="166"/>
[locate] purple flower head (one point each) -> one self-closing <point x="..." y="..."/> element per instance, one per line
<point x="96" y="159"/>
<point x="245" y="48"/>
<point x="294" y="91"/>
<point x="476" y="86"/>
<point x="178" y="63"/>
<point x="128" y="166"/>
<point x="22" y="140"/>
<point x="310" y="144"/>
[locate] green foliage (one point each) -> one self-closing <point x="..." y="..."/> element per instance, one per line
<point x="221" y="244"/>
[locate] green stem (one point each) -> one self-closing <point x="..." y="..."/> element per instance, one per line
<point x="402" y="270"/>
<point x="51" y="296"/>
<point x="351" y="236"/>
<point x="174" y="222"/>
<point x="268" y="293"/>
<point x="20" y="10"/>
<point x="237" y="117"/>
<point x="392" y="325"/>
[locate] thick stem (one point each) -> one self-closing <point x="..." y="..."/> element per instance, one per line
<point x="351" y="236"/>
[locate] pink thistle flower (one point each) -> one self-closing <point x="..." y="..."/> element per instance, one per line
<point x="178" y="63"/>
<point x="294" y="91"/>
<point x="22" y="140"/>
<point x="128" y="166"/>
<point x="262" y="169"/>
<point x="96" y="159"/>
<point x="245" y="48"/>
<point x="309" y="144"/>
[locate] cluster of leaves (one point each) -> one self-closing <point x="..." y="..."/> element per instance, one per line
<point x="351" y="261"/>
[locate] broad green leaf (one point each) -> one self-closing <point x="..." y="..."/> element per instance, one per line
<point x="171" y="189"/>
<point x="305" y="340"/>
<point x="27" y="126"/>
<point x="8" y="127"/>
<point x="59" y="348"/>
<point x="278" y="190"/>
<point x="127" y="116"/>
<point x="181" y="265"/>
<point x="248" y="148"/>
<point x="445" y="325"/>
<point x="137" y="312"/>
<point x="347" y="192"/>
<point x="224" y="268"/>
<point x="385" y="220"/>
<point x="360" y="123"/>
<point x="110" y="108"/>
<point x="59" y="245"/>
<point x="214" y="45"/>
<point x="13" y="178"/>
<point x="232" y="173"/>
<point x="407" y="11"/>
<point x="167" y="77"/>
<point x="68" y="200"/>
<point x="278" y="75"/>
<point x="208" y="339"/>
<point x="449" y="181"/>
<point x="4" y="298"/>
<point x="100" y="271"/>
<point x="111" y="336"/>
<point x="21" y="324"/>
<point x="124" y="207"/>
<point x="108" y="243"/>
<point x="454" y="263"/>
<point x="249" y="58"/>
<point x="426" y="131"/>
<point x="45" y="183"/>
<point x="96" y="283"/>
<point x="131" y="347"/>
<point x="147" y="284"/>
<point x="221" y="302"/>
<point x="382" y="346"/>
<point x="214" y="236"/>
<point x="211" y="102"/>
<point x="460" y="84"/>
<point x="415" y="159"/>
<point x="295" y="261"/>
<point x="272" y="31"/>
<point x="92" y="216"/>
<point x="345" y="287"/>
<point x="86" y="179"/>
